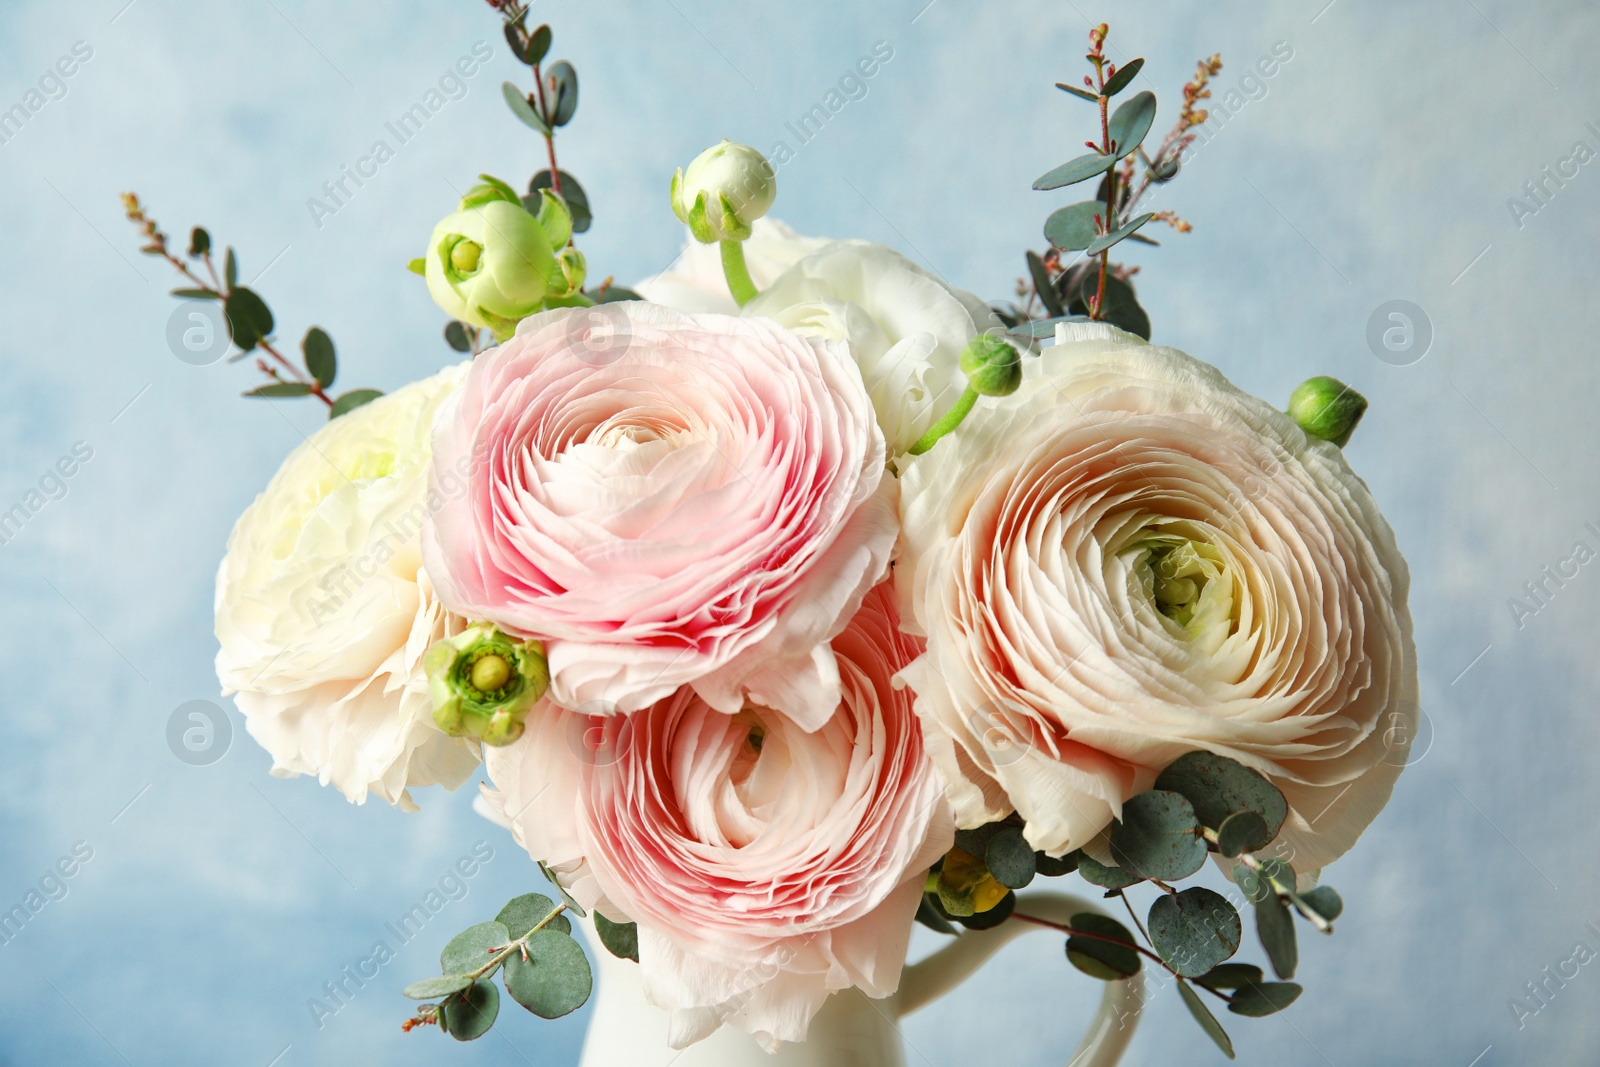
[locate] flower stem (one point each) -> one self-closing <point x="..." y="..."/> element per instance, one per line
<point x="950" y="421"/>
<point x="733" y="268"/>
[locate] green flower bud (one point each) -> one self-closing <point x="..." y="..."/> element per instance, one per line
<point x="493" y="263"/>
<point x="725" y="189"/>
<point x="483" y="683"/>
<point x="1326" y="408"/>
<point x="993" y="366"/>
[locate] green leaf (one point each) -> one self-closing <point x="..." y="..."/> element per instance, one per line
<point x="1125" y="74"/>
<point x="566" y="898"/>
<point x="280" y="390"/>
<point x="457" y="337"/>
<point x="522" y="109"/>
<point x="1100" y="244"/>
<point x="196" y="294"/>
<point x="1231" y="976"/>
<point x="1130" y="122"/>
<point x="439" y="985"/>
<point x="1053" y="867"/>
<point x="1096" y="873"/>
<point x="1081" y="94"/>
<point x="472" y="948"/>
<point x="1075" y="227"/>
<point x="199" y="242"/>
<point x="1074" y="171"/>
<point x="1268" y="998"/>
<point x="320" y="360"/>
<point x="929" y="915"/>
<point x="1101" y="959"/>
<point x="615" y="293"/>
<point x="1243" y="831"/>
<point x="249" y="319"/>
<point x="1043" y="285"/>
<point x="620" y="939"/>
<point x="230" y="270"/>
<point x="975" y="842"/>
<point x="348" y="402"/>
<point x="1323" y="900"/>
<point x="554" y="979"/>
<point x="529" y="910"/>
<point x="572" y="194"/>
<point x="1279" y="874"/>
<point x="469" y="1014"/>
<point x="1275" y="927"/>
<point x="1207" y="1021"/>
<point x="418" y="266"/>
<point x="538" y="45"/>
<point x="561" y="83"/>
<point x="1010" y="858"/>
<point x="1158" y="836"/>
<point x="1195" y="930"/>
<point x="1218" y="787"/>
<point x="1121" y="310"/>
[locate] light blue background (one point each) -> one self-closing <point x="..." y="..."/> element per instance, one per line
<point x="1375" y="165"/>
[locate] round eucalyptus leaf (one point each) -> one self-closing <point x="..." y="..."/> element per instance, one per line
<point x="438" y="986"/>
<point x="1098" y="958"/>
<point x="279" y="390"/>
<point x="1010" y="858"/>
<point x="1158" y="836"/>
<point x="1131" y="121"/>
<point x="1054" y="866"/>
<point x="1323" y="900"/>
<point x="1207" y="1021"/>
<point x="1122" y="308"/>
<point x="249" y="319"/>
<point x="1218" y="786"/>
<point x="320" y="360"/>
<point x="1121" y="233"/>
<point x="1096" y="873"/>
<point x="457" y="337"/>
<point x="1074" y="227"/>
<point x="1267" y="998"/>
<point x="975" y="842"/>
<point x="1231" y="976"/>
<point x="518" y="102"/>
<point x="1195" y="930"/>
<point x="469" y="1014"/>
<point x="620" y="939"/>
<point x="561" y="84"/>
<point x="469" y="950"/>
<point x="529" y="910"/>
<point x="1275" y="927"/>
<point x="555" y="978"/>
<point x="1243" y="831"/>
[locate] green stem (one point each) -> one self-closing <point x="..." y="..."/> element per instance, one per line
<point x="950" y="421"/>
<point x="733" y="267"/>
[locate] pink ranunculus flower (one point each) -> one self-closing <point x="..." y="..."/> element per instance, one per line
<point x="766" y="866"/>
<point x="666" y="500"/>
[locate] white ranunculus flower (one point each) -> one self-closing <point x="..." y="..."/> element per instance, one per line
<point x="324" y="614"/>
<point x="1130" y="559"/>
<point x="694" y="283"/>
<point x="906" y="328"/>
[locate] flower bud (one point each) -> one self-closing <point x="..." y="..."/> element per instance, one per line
<point x="965" y="886"/>
<point x="483" y="683"/>
<point x="725" y="189"/>
<point x="993" y="366"/>
<point x="493" y="263"/>
<point x="1326" y="408"/>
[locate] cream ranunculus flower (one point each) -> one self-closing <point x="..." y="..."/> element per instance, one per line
<point x="324" y="614"/>
<point x="1130" y="559"/>
<point x="906" y="328"/>
<point x="694" y="283"/>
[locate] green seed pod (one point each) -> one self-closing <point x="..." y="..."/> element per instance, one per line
<point x="993" y="366"/>
<point x="483" y="683"/>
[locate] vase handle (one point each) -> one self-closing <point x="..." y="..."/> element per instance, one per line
<point x="924" y="982"/>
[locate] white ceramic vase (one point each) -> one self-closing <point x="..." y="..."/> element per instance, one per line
<point x="851" y="1030"/>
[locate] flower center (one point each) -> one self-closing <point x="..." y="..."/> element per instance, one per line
<point x="1188" y="582"/>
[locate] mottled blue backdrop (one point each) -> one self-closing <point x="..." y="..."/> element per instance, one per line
<point x="1399" y="153"/>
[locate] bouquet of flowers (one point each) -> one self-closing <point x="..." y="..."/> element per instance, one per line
<point x="793" y="596"/>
